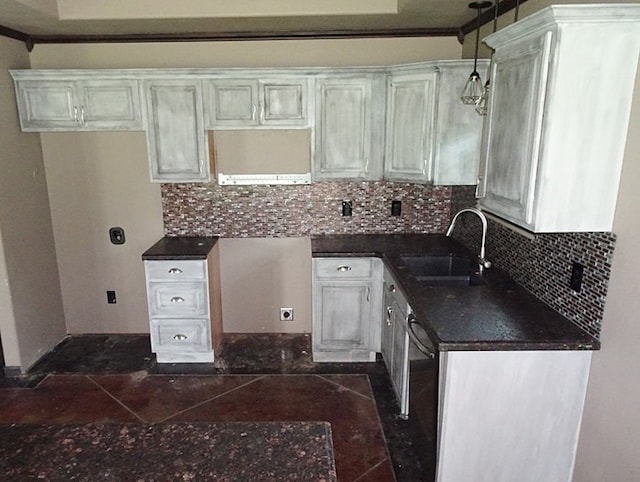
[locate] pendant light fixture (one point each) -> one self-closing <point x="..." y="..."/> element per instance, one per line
<point x="473" y="88"/>
<point x="482" y="106"/>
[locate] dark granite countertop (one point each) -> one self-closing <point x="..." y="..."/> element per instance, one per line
<point x="180" y="248"/>
<point x="495" y="314"/>
<point x="262" y="451"/>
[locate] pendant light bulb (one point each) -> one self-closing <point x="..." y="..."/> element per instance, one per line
<point x="474" y="88"/>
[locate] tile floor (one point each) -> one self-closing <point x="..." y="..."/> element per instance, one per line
<point x="101" y="378"/>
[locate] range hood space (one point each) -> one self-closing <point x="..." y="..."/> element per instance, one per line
<point x="262" y="156"/>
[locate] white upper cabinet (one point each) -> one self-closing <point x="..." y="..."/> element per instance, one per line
<point x="176" y="138"/>
<point x="430" y="135"/>
<point x="348" y="128"/>
<point x="257" y="102"/>
<point x="458" y="127"/>
<point x="410" y="124"/>
<point x="562" y="82"/>
<point x="57" y="103"/>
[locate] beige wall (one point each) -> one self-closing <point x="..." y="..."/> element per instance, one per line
<point x="99" y="180"/>
<point x="262" y="275"/>
<point x="31" y="315"/>
<point x="610" y="435"/>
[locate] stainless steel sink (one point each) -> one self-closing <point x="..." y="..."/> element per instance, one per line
<point x="445" y="269"/>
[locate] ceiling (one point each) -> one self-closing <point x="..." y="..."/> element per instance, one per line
<point x="64" y="21"/>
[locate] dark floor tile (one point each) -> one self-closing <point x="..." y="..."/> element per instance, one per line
<point x="98" y="354"/>
<point x="359" y="384"/>
<point x="357" y="436"/>
<point x="155" y="398"/>
<point x="382" y="472"/>
<point x="61" y="399"/>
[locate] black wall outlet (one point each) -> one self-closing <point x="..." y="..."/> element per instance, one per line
<point x="396" y="208"/>
<point x="116" y="235"/>
<point x="347" y="208"/>
<point x="111" y="297"/>
<point x="577" y="273"/>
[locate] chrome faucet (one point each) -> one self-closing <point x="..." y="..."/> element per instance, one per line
<point x="483" y="263"/>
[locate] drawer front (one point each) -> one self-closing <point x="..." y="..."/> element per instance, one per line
<point x="180" y="335"/>
<point x="178" y="299"/>
<point x="339" y="268"/>
<point x="175" y="270"/>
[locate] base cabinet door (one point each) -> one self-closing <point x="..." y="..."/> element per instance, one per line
<point x="395" y="342"/>
<point x="510" y="415"/>
<point x="176" y="137"/>
<point x="346" y="303"/>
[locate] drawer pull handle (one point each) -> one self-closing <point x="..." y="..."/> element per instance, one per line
<point x="175" y="271"/>
<point x="179" y="337"/>
<point x="177" y="299"/>
<point x="343" y="268"/>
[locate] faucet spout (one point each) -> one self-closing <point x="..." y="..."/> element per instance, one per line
<point x="483" y="263"/>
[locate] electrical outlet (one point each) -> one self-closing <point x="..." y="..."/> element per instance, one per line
<point x="396" y="208"/>
<point x="347" y="208"/>
<point x="286" y="314"/>
<point x="111" y="297"/>
<point x="577" y="273"/>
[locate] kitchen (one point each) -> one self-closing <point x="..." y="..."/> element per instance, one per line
<point x="98" y="180"/>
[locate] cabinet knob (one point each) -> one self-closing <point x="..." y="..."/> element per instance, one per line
<point x="175" y="271"/>
<point x="179" y="337"/>
<point x="392" y="288"/>
<point x="389" y="315"/>
<point x="343" y="268"/>
<point x="177" y="299"/>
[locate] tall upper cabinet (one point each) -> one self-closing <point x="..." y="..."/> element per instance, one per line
<point x="430" y="135"/>
<point x="176" y="139"/>
<point x="349" y="127"/>
<point x="562" y="82"/>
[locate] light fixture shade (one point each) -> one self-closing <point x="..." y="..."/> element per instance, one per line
<point x="473" y="89"/>
<point x="482" y="106"/>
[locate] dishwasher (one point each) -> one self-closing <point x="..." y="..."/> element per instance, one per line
<point x="423" y="395"/>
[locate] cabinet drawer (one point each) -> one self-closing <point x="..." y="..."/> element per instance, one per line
<point x="180" y="335"/>
<point x="175" y="270"/>
<point x="178" y="299"/>
<point x="338" y="268"/>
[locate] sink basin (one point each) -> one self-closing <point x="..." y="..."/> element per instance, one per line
<point x="445" y="269"/>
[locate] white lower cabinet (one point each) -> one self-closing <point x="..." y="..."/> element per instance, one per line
<point x="347" y="302"/>
<point x="510" y="415"/>
<point x="395" y="341"/>
<point x="184" y="308"/>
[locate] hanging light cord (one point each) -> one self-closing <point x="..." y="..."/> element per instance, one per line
<point x="475" y="57"/>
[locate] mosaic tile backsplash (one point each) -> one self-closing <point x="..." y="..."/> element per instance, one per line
<point x="303" y="210"/>
<point x="543" y="266"/>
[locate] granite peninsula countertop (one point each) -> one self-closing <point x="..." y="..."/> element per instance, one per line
<point x="232" y="451"/>
<point x="180" y="247"/>
<point x="496" y="314"/>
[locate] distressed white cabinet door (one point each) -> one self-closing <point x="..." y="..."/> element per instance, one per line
<point x="284" y="102"/>
<point x="410" y="125"/>
<point x="175" y="136"/>
<point x="344" y="315"/>
<point x="343" y="129"/>
<point x="110" y="104"/>
<point x="399" y="360"/>
<point x="518" y="80"/>
<point x="510" y="415"/>
<point x="347" y="307"/>
<point x="456" y="152"/>
<point x="232" y="103"/>
<point x="47" y="104"/>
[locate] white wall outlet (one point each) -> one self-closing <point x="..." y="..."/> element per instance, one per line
<point x="286" y="314"/>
